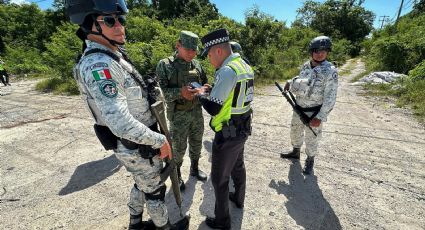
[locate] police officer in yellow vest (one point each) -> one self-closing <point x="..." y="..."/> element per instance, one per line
<point x="184" y="111"/>
<point x="229" y="104"/>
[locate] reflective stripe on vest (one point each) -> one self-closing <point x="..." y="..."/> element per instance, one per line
<point x="240" y="98"/>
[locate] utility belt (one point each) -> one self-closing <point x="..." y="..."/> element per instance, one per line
<point x="186" y="105"/>
<point x="110" y="141"/>
<point x="238" y="125"/>
<point x="314" y="109"/>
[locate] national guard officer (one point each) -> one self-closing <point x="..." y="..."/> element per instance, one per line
<point x="184" y="111"/>
<point x="4" y="77"/>
<point x="237" y="48"/>
<point x="315" y="89"/>
<point x="119" y="99"/>
<point x="229" y="103"/>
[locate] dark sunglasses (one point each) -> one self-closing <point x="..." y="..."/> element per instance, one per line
<point x="110" y="20"/>
<point x="318" y="50"/>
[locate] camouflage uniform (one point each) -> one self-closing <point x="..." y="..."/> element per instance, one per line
<point x="186" y="119"/>
<point x="117" y="101"/>
<point x="313" y="87"/>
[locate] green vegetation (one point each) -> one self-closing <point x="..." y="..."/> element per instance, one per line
<point x="401" y="48"/>
<point x="43" y="42"/>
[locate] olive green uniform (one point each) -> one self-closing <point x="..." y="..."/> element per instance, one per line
<point x="186" y="120"/>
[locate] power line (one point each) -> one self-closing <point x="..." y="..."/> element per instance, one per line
<point x="384" y="19"/>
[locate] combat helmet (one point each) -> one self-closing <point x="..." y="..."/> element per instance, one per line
<point x="320" y="43"/>
<point x="83" y="12"/>
<point x="236" y="47"/>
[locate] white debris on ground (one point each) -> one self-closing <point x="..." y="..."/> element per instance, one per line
<point x="385" y="77"/>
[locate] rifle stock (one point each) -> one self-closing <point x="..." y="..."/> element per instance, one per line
<point x="170" y="168"/>
<point x="291" y="99"/>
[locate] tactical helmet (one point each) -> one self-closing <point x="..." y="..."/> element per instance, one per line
<point x="236" y="47"/>
<point x="78" y="10"/>
<point x="320" y="43"/>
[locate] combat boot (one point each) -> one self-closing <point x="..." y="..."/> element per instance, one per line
<point x="181" y="182"/>
<point x="136" y="223"/>
<point x="308" y="167"/>
<point x="295" y="154"/>
<point x="182" y="224"/>
<point x="194" y="171"/>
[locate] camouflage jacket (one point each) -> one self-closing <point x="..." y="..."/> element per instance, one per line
<point x="114" y="97"/>
<point x="316" y="86"/>
<point x="166" y="70"/>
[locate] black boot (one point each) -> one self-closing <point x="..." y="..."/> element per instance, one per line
<point x="308" y="167"/>
<point x="295" y="154"/>
<point x="182" y="224"/>
<point x="194" y="171"/>
<point x="212" y="223"/>
<point x="181" y="182"/>
<point x="136" y="223"/>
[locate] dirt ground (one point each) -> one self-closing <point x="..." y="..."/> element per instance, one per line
<point x="369" y="173"/>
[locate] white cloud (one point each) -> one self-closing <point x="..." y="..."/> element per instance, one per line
<point x="19" y="2"/>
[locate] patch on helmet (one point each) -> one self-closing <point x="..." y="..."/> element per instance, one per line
<point x="108" y="88"/>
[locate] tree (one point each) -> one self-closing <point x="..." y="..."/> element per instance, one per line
<point x="338" y="19"/>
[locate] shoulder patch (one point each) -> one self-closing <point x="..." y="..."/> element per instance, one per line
<point x="99" y="65"/>
<point x="335" y="76"/>
<point x="108" y="88"/>
<point x="101" y="74"/>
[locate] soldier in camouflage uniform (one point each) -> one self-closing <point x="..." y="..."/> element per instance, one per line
<point x="315" y="89"/>
<point x="184" y="111"/>
<point x="111" y="88"/>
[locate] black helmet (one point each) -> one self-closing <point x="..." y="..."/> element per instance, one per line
<point x="236" y="47"/>
<point x="78" y="9"/>
<point x="320" y="43"/>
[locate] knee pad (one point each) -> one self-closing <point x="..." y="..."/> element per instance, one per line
<point x="158" y="194"/>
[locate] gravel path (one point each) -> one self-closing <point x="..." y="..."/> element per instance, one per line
<point x="368" y="175"/>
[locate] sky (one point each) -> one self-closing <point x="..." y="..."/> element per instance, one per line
<point x="283" y="10"/>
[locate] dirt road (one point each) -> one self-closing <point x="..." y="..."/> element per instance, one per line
<point x="368" y="175"/>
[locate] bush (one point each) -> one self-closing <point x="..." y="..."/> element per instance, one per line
<point x="418" y="73"/>
<point x="58" y="86"/>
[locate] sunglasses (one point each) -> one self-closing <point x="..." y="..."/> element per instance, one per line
<point x="109" y="21"/>
<point x="319" y="50"/>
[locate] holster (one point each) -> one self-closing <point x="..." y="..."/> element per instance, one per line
<point x="238" y="125"/>
<point x="228" y="129"/>
<point x="106" y="137"/>
<point x="145" y="151"/>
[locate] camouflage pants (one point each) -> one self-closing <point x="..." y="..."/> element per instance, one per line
<point x="297" y="135"/>
<point x="147" y="180"/>
<point x="187" y="126"/>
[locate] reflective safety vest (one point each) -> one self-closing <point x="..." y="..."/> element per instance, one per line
<point x="1" y="67"/>
<point x="239" y="100"/>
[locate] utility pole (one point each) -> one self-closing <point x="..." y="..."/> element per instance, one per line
<point x="384" y="19"/>
<point x="399" y="10"/>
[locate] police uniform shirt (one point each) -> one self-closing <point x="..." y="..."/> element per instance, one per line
<point x="319" y="87"/>
<point x="224" y="81"/>
<point x="115" y="98"/>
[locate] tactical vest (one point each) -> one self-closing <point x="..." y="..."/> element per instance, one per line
<point x="183" y="74"/>
<point x="239" y="100"/>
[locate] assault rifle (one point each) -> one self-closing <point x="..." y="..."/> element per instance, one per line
<point x="170" y="168"/>
<point x="291" y="99"/>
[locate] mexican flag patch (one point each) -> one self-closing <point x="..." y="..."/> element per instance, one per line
<point x="102" y="74"/>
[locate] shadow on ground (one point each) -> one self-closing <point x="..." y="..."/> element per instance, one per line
<point x="306" y="204"/>
<point x="91" y="173"/>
